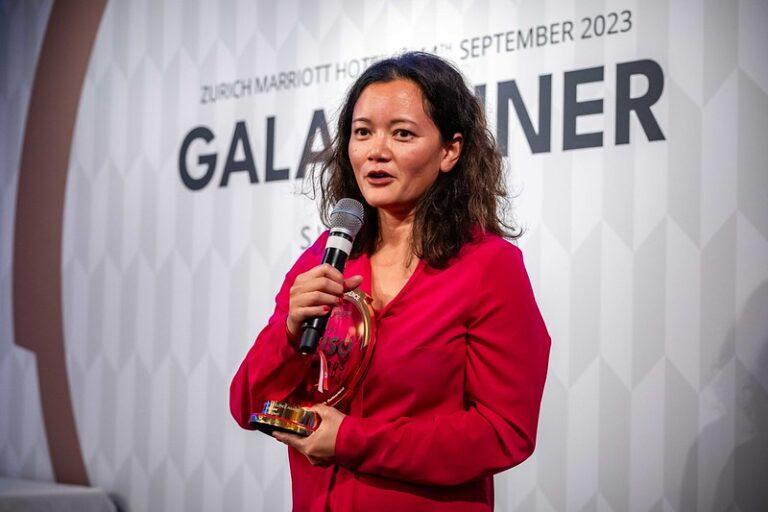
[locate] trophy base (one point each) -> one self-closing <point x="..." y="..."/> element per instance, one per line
<point x="285" y="417"/>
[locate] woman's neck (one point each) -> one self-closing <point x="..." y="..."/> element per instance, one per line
<point x="395" y="231"/>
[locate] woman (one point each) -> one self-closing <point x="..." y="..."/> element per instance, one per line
<point x="453" y="390"/>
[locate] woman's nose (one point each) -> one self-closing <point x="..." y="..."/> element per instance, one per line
<point x="379" y="149"/>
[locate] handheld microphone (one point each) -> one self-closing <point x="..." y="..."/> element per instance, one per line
<point x="346" y="220"/>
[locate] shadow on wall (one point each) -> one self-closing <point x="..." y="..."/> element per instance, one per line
<point x="715" y="480"/>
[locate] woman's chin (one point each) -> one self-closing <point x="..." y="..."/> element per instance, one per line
<point x="378" y="200"/>
<point x="393" y="208"/>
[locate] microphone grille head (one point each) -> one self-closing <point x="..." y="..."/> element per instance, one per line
<point x="348" y="216"/>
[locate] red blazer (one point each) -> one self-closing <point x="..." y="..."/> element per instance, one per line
<point x="451" y="396"/>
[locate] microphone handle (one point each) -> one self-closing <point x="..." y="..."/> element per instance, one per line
<point x="314" y="328"/>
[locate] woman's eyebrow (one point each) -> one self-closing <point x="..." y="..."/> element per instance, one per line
<point x="391" y="122"/>
<point x="401" y="120"/>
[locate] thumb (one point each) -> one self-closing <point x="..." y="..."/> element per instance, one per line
<point x="352" y="282"/>
<point x="319" y="423"/>
<point x="320" y="409"/>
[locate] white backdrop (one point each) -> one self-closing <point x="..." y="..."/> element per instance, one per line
<point x="649" y="258"/>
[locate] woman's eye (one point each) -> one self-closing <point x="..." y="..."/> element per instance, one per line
<point x="360" y="132"/>
<point x="403" y="134"/>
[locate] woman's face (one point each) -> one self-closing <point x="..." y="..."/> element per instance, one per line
<point x="395" y="148"/>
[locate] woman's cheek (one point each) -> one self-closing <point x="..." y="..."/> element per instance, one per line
<point x="354" y="155"/>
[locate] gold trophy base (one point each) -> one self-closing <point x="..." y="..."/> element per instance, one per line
<point x="285" y="417"/>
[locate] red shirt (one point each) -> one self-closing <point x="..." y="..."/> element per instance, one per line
<point x="451" y="395"/>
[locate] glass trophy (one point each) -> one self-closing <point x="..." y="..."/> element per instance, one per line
<point x="338" y="366"/>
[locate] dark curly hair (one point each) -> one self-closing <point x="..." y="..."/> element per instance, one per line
<point x="473" y="195"/>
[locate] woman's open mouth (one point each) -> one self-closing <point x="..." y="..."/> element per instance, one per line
<point x="379" y="178"/>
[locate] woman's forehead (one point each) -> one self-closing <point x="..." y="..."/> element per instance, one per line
<point x="391" y="99"/>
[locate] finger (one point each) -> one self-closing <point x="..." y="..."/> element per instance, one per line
<point x="328" y="271"/>
<point x="352" y="283"/>
<point x="321" y="271"/>
<point x="325" y="284"/>
<point x="318" y="408"/>
<point x="319" y="283"/>
<point x="315" y="298"/>
<point x="310" y="285"/>
<point x="322" y="410"/>
<point x="289" y="439"/>
<point x="311" y="311"/>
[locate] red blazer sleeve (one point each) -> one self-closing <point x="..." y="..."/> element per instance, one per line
<point x="507" y="355"/>
<point x="273" y="368"/>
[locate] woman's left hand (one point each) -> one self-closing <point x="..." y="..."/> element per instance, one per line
<point x="320" y="446"/>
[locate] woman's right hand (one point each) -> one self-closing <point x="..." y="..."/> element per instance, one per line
<point x="315" y="292"/>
